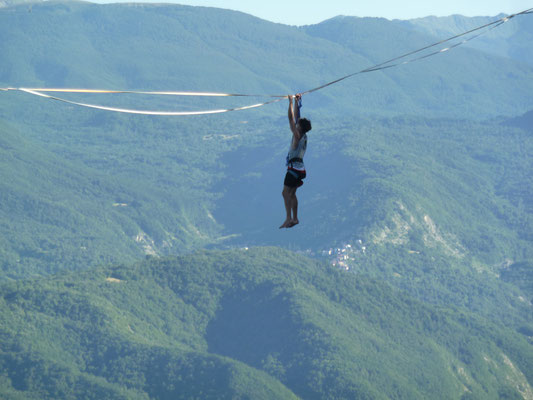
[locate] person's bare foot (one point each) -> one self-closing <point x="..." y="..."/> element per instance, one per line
<point x="293" y="222"/>
<point x="285" y="224"/>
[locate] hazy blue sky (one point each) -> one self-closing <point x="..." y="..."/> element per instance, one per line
<point x="302" y="12"/>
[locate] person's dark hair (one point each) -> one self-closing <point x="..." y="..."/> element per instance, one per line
<point x="305" y="124"/>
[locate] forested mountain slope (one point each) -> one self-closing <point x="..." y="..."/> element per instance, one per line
<point x="144" y="185"/>
<point x="261" y="323"/>
<point x="417" y="210"/>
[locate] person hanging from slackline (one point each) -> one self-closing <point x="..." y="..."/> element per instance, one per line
<point x="295" y="163"/>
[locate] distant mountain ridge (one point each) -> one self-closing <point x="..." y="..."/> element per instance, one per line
<point x="511" y="40"/>
<point x="251" y="55"/>
<point x="7" y="3"/>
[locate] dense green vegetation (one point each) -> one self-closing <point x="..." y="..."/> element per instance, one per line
<point x="521" y="274"/>
<point x="84" y="204"/>
<point x="419" y="183"/>
<point x="263" y="323"/>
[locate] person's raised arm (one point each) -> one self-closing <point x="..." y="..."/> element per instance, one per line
<point x="294" y="115"/>
<point x="292" y="121"/>
<point x="290" y="109"/>
<point x="296" y="107"/>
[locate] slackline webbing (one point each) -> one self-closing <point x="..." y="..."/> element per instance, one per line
<point x="38" y="92"/>
<point x="393" y="62"/>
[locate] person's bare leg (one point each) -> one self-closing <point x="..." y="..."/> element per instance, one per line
<point x="287" y="194"/>
<point x="294" y="209"/>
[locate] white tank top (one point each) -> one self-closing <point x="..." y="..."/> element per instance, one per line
<point x="297" y="152"/>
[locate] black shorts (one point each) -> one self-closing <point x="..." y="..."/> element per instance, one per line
<point x="294" y="178"/>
